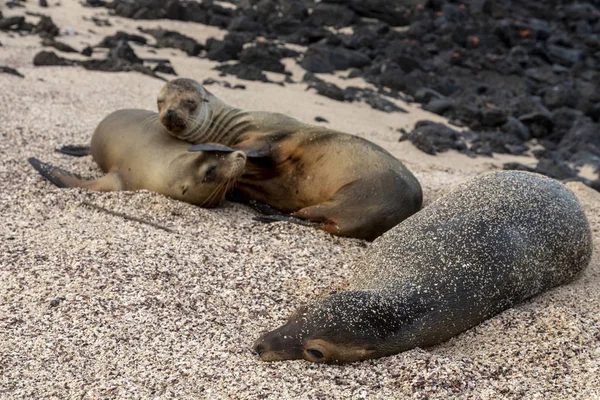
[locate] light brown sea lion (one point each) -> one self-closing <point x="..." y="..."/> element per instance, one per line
<point x="492" y="242"/>
<point x="347" y="185"/>
<point x="136" y="153"/>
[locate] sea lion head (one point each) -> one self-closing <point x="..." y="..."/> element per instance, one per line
<point x="182" y="106"/>
<point x="207" y="176"/>
<point x="344" y="327"/>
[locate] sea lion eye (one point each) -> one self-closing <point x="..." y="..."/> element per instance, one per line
<point x="314" y="353"/>
<point x="211" y="174"/>
<point x="191" y="104"/>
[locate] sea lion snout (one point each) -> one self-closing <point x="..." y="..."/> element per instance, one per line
<point x="274" y="346"/>
<point x="232" y="165"/>
<point x="172" y="121"/>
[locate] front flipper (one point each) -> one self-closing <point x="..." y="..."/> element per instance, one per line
<point x="75" y="151"/>
<point x="65" y="179"/>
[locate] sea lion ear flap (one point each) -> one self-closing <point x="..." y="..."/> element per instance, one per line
<point x="261" y="152"/>
<point x="318" y="351"/>
<point x="211" y="147"/>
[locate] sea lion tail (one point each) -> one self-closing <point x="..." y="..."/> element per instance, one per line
<point x="51" y="173"/>
<point x="75" y="151"/>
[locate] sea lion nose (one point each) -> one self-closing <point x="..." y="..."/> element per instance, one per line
<point x="258" y="348"/>
<point x="170" y="115"/>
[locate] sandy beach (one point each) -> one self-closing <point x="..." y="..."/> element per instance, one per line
<point x="96" y="306"/>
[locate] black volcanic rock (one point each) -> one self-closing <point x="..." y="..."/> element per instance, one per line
<point x="393" y="12"/>
<point x="323" y="58"/>
<point x="49" y="42"/>
<point x="433" y="138"/>
<point x="46" y="28"/>
<point x="88" y="51"/>
<point x="328" y="90"/>
<point x="118" y="65"/>
<point x="123" y="51"/>
<point x="9" y="70"/>
<point x="49" y="58"/>
<point x="171" y="39"/>
<point x="164" y="68"/>
<point x="113" y="40"/>
<point x="265" y="57"/>
<point x="336" y="15"/>
<point x="12" y="23"/>
<point x="245" y="24"/>
<point x="243" y="71"/>
<point x="227" y="49"/>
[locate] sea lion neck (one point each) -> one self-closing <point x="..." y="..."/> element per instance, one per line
<point x="218" y="122"/>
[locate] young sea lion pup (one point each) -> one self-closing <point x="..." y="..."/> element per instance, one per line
<point x="136" y="153"/>
<point x="492" y="242"/>
<point x="344" y="184"/>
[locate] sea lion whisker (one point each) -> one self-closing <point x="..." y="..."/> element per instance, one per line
<point x="148" y="122"/>
<point x="213" y="194"/>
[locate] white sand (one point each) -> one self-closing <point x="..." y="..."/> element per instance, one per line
<point x="95" y="306"/>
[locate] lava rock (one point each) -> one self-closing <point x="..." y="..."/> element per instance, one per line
<point x="336" y="15"/>
<point x="245" y="24"/>
<point x="493" y="117"/>
<point x="11" y="23"/>
<point x="164" y="68"/>
<point x="49" y="58"/>
<point x="227" y="49"/>
<point x="322" y="58"/>
<point x="328" y="90"/>
<point x="112" y="41"/>
<point x="516" y="128"/>
<point x="439" y="106"/>
<point x="124" y="51"/>
<point x="46" y="28"/>
<point x="263" y="56"/>
<point x="539" y="123"/>
<point x="562" y="95"/>
<point x="243" y="71"/>
<point x="49" y="42"/>
<point x="118" y="65"/>
<point x="432" y="138"/>
<point x="171" y="39"/>
<point x="12" y="71"/>
<point x="392" y="12"/>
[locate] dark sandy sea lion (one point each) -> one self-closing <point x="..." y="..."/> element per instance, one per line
<point x="347" y="185"/>
<point x="492" y="242"/>
<point x="136" y="153"/>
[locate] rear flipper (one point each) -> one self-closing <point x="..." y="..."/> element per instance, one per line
<point x="263" y="208"/>
<point x="75" y="151"/>
<point x="285" y="218"/>
<point x="66" y="179"/>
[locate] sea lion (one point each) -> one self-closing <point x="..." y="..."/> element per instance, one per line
<point x="492" y="242"/>
<point x="346" y="185"/>
<point x="136" y="153"/>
